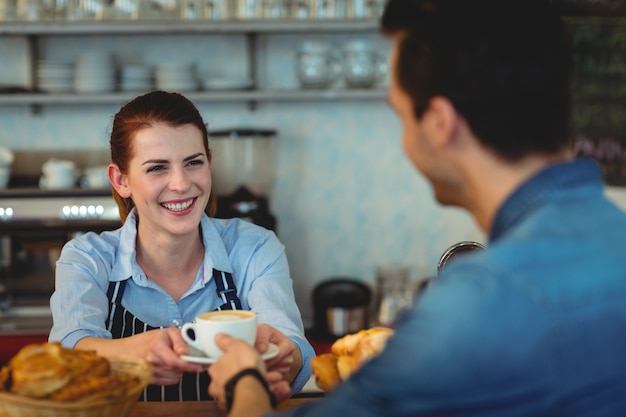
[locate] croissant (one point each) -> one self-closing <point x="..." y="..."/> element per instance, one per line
<point x="347" y="355"/>
<point x="50" y="371"/>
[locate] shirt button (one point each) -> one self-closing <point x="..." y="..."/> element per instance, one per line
<point x="176" y="323"/>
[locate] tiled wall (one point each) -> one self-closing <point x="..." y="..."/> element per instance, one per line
<point x="346" y="198"/>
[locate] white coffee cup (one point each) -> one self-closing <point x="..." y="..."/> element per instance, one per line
<point x="58" y="174"/>
<point x="201" y="333"/>
<point x="57" y="182"/>
<point x="95" y="177"/>
<point x="53" y="167"/>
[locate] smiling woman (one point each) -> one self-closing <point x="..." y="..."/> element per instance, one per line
<point x="167" y="177"/>
<point x="171" y="253"/>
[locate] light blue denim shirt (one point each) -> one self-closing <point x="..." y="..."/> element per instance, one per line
<point x="533" y="326"/>
<point x="253" y="255"/>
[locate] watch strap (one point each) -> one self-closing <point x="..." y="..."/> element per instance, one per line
<point x="230" y="386"/>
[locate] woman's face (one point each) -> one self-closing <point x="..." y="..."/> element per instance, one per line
<point x="168" y="178"/>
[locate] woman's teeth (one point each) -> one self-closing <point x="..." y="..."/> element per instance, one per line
<point x="178" y="206"/>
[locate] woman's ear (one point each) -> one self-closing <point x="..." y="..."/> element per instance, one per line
<point x="118" y="181"/>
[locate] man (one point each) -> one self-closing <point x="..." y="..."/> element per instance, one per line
<point x="536" y="324"/>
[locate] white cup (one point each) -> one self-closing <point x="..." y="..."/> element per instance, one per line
<point x="53" y="167"/>
<point x="201" y="333"/>
<point x="58" y="174"/>
<point x="95" y="177"/>
<point x="57" y="182"/>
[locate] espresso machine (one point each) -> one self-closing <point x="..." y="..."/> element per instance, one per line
<point x="243" y="161"/>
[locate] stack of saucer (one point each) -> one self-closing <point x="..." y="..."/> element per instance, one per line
<point x="55" y="76"/>
<point x="136" y="77"/>
<point x="95" y="73"/>
<point x="174" y="76"/>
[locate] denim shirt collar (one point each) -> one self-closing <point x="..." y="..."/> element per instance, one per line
<point x="215" y="256"/>
<point x="545" y="185"/>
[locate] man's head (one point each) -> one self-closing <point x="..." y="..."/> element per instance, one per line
<point x="505" y="66"/>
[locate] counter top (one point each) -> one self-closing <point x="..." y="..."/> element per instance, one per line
<point x="198" y="408"/>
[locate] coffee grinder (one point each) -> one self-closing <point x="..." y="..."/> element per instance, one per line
<point x="243" y="173"/>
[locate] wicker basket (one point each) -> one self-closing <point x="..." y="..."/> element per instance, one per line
<point x="12" y="405"/>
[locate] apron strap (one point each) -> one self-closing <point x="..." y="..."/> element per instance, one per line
<point x="115" y="293"/>
<point x="226" y="290"/>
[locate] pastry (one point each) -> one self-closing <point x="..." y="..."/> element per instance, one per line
<point x="50" y="371"/>
<point x="347" y="355"/>
<point x="38" y="370"/>
<point x="325" y="371"/>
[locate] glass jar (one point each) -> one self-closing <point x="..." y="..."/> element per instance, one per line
<point x="395" y="295"/>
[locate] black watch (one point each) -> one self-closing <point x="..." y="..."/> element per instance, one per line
<point x="230" y="386"/>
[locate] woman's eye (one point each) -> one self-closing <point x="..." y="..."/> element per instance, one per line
<point x="156" y="168"/>
<point x="196" y="162"/>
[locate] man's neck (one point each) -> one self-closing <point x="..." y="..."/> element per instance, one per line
<point x="491" y="181"/>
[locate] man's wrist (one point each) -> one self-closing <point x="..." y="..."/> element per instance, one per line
<point x="253" y="372"/>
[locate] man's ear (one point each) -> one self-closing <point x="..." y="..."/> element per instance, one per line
<point x="442" y="121"/>
<point x="118" y="181"/>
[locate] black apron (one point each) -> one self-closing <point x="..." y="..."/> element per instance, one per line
<point x="123" y="323"/>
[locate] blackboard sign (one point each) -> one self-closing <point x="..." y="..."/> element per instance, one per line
<point x="599" y="92"/>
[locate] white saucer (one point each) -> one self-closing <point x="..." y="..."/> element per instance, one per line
<point x="272" y="352"/>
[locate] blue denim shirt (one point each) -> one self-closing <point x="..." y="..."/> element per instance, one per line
<point x="533" y="326"/>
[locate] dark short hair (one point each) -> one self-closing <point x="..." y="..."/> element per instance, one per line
<point x="142" y="112"/>
<point x="506" y="66"/>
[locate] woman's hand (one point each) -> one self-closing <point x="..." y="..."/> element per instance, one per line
<point x="161" y="348"/>
<point x="287" y="363"/>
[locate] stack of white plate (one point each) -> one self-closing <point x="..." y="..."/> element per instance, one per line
<point x="224" y="83"/>
<point x="55" y="76"/>
<point x="136" y="78"/>
<point x="174" y="76"/>
<point x="95" y="72"/>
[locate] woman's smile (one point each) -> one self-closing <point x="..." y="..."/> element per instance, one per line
<point x="179" y="206"/>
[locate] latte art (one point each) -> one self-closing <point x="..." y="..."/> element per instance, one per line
<point x="225" y="317"/>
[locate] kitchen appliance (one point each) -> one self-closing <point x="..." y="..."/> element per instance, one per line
<point x="341" y="307"/>
<point x="243" y="161"/>
<point x="34" y="226"/>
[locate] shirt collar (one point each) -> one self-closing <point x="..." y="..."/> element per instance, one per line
<point x="545" y="185"/>
<point x="215" y="254"/>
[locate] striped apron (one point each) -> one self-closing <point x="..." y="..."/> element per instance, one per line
<point x="123" y="323"/>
